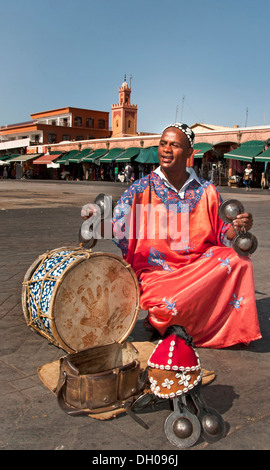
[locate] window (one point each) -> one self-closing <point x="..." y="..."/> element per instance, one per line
<point x="52" y="138"/>
<point x="101" y="124"/>
<point x="78" y="121"/>
<point x="64" y="122"/>
<point x="90" y="122"/>
<point x="79" y="137"/>
<point x="66" y="137"/>
<point x="129" y="124"/>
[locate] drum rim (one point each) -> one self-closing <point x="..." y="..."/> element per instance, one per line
<point x="27" y="279"/>
<point x="56" y="338"/>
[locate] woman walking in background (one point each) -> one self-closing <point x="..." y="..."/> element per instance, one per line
<point x="248" y="177"/>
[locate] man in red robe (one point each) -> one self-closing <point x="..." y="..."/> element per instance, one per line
<point x="168" y="229"/>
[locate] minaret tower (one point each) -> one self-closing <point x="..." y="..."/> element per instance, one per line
<point x="124" y="114"/>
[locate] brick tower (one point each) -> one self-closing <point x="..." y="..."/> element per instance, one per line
<point x="124" y="114"/>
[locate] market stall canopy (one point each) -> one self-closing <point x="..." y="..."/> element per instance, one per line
<point x="97" y="154"/>
<point x="111" y="155"/>
<point x="128" y="154"/>
<point x="264" y="156"/>
<point x="5" y="159"/>
<point x="67" y="156"/>
<point x="25" y="157"/>
<point x="201" y="148"/>
<point x="80" y="156"/>
<point x="46" y="159"/>
<point x="148" y="155"/>
<point x="247" y="151"/>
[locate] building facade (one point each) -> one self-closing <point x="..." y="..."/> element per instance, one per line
<point x="79" y="135"/>
<point x="54" y="126"/>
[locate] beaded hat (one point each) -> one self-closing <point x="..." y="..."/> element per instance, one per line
<point x="174" y="366"/>
<point x="184" y="128"/>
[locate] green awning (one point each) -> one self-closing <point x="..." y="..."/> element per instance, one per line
<point x="201" y="148"/>
<point x="7" y="157"/>
<point x="128" y="154"/>
<point x="264" y="156"/>
<point x="148" y="155"/>
<point x="247" y="151"/>
<point x="80" y="155"/>
<point x="111" y="155"/>
<point x="67" y="156"/>
<point x="95" y="155"/>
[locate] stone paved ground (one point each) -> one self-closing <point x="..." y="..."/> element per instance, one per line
<point x="40" y="216"/>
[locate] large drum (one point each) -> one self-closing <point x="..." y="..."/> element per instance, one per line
<point x="78" y="299"/>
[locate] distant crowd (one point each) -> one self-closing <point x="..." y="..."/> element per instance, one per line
<point x="249" y="176"/>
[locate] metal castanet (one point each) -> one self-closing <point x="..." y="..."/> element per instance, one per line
<point x="229" y="210"/>
<point x="87" y="232"/>
<point x="105" y="204"/>
<point x="213" y="426"/>
<point x="244" y="243"/>
<point x="182" y="427"/>
<point x="86" y="239"/>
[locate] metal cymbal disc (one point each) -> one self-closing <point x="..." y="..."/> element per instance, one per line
<point x="182" y="429"/>
<point x="87" y="242"/>
<point x="143" y="401"/>
<point x="213" y="426"/>
<point x="245" y="244"/>
<point x="229" y="210"/>
<point x="104" y="202"/>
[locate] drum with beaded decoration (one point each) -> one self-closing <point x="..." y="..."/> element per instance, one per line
<point x="78" y="299"/>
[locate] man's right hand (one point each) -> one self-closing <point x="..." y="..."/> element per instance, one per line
<point x="88" y="210"/>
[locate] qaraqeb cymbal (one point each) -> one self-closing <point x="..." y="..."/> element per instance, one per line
<point x="229" y="210"/>
<point x="245" y="244"/>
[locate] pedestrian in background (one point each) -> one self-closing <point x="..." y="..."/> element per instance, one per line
<point x="116" y="173"/>
<point x="248" y="177"/>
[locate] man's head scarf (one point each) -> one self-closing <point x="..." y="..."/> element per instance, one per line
<point x="184" y="128"/>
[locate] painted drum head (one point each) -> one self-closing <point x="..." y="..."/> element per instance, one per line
<point x="78" y="299"/>
<point x="229" y="210"/>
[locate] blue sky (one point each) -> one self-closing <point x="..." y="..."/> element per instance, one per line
<point x="202" y="61"/>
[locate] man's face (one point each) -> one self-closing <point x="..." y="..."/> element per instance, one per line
<point x="173" y="150"/>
